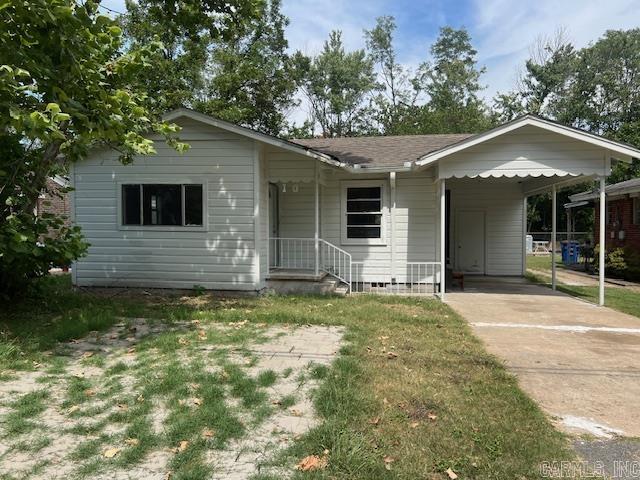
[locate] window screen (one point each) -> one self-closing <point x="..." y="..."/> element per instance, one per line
<point x="162" y="204"/>
<point x="364" y="212"/>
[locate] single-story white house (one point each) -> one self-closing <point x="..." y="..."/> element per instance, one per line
<point x="241" y="208"/>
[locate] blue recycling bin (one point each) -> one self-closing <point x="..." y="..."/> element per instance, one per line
<point x="570" y="251"/>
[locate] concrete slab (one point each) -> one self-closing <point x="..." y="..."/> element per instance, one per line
<point x="580" y="362"/>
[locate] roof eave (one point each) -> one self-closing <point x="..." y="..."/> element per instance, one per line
<point x="617" y="150"/>
<point x="247" y="132"/>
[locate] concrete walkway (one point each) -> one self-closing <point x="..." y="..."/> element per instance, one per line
<point x="580" y="362"/>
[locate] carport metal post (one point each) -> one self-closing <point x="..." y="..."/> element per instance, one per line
<point x="554" y="231"/>
<point x="602" y="243"/>
<point x="443" y="238"/>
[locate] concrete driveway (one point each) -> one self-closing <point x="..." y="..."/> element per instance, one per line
<point x="580" y="362"/>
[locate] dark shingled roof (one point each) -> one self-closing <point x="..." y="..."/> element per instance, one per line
<point x="381" y="151"/>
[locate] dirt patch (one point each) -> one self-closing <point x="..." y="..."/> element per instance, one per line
<point x="142" y="384"/>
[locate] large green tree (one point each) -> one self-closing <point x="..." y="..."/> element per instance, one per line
<point x="394" y="105"/>
<point x="452" y="83"/>
<point x="65" y="88"/>
<point x="251" y="80"/>
<point x="338" y="85"/>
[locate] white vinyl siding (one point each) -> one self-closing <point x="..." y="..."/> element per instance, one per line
<point x="527" y="151"/>
<point x="501" y="201"/>
<point x="219" y="257"/>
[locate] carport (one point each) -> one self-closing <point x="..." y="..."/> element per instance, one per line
<point x="484" y="182"/>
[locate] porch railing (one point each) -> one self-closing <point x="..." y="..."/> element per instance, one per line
<point x="416" y="278"/>
<point x="300" y="254"/>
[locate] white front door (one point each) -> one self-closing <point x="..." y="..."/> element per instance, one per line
<point x="470" y="241"/>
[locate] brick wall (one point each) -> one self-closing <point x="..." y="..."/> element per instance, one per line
<point x="620" y="218"/>
<point x="55" y="204"/>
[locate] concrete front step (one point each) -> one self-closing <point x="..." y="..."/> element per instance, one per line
<point x="327" y="286"/>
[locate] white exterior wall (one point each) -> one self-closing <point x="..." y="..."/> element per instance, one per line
<point x="526" y="152"/>
<point x="222" y="256"/>
<point x="501" y="201"/>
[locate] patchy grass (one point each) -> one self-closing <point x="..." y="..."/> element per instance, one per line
<point x="413" y="394"/>
<point x="619" y="298"/>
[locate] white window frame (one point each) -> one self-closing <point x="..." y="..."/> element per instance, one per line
<point x="165" y="228"/>
<point x="383" y="206"/>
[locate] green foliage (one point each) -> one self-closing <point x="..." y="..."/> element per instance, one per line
<point x="65" y="88"/>
<point x="337" y="84"/>
<point x="621" y="263"/>
<point x="252" y="80"/>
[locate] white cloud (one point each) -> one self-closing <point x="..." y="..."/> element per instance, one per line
<point x="504" y="30"/>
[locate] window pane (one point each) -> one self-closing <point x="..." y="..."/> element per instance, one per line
<point x="193" y="204"/>
<point x="364" y="219"/>
<point x="162" y="204"/>
<point x="363" y="232"/>
<point x="363" y="205"/>
<point x="363" y="193"/>
<point x="131" y="204"/>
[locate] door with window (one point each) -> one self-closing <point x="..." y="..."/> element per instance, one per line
<point x="470" y="241"/>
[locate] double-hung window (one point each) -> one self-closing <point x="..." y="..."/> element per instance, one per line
<point x="363" y="213"/>
<point x="173" y="205"/>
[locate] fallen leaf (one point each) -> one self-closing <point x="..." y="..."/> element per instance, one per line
<point x="132" y="442"/>
<point x="194" y="386"/>
<point x="195" y="322"/>
<point x="87" y="354"/>
<point x="183" y="341"/>
<point x="183" y="445"/>
<point x="431" y="416"/>
<point x="73" y="408"/>
<point x="197" y="401"/>
<point x="111" y="452"/>
<point x="385" y="401"/>
<point x="388" y="461"/>
<point x="131" y="351"/>
<point x="295" y="412"/>
<point x="383" y="337"/>
<point x="89" y="392"/>
<point x="123" y="406"/>
<point x="392" y="355"/>
<point x="311" y="463"/>
<point x="140" y="398"/>
<point x="414" y="424"/>
<point x="451" y="473"/>
<point x="168" y="475"/>
<point x="207" y="433"/>
<point x="375" y="421"/>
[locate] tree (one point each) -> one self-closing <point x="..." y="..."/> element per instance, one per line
<point x="187" y="30"/>
<point x="399" y="90"/>
<point x="337" y="83"/>
<point x="65" y="88"/>
<point x="251" y="79"/>
<point x="452" y="83"/>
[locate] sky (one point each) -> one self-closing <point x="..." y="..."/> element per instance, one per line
<point x="502" y="31"/>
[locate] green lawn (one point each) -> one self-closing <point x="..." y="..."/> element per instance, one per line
<point x="438" y="401"/>
<point x="542" y="262"/>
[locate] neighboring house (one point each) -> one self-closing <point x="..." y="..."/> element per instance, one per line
<point x="623" y="213"/>
<point x="53" y="200"/>
<point x="240" y="208"/>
